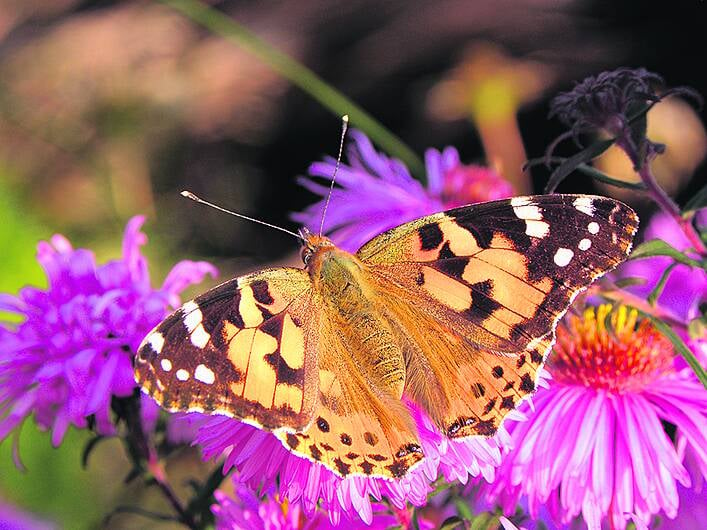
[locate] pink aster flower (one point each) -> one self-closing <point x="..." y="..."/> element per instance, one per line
<point x="74" y="348"/>
<point x="376" y="193"/>
<point x="596" y="444"/>
<point x="247" y="511"/>
<point x="263" y="462"/>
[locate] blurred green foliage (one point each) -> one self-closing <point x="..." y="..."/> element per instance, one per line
<point x="54" y="485"/>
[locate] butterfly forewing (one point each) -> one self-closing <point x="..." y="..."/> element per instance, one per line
<point x="508" y="269"/>
<point x="246" y="349"/>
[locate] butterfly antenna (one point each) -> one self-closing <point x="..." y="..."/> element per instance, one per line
<point x="190" y="195"/>
<point x="344" y="127"/>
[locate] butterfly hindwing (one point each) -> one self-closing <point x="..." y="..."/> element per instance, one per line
<point x="359" y="427"/>
<point x="246" y="349"/>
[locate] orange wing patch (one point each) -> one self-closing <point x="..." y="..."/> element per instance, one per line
<point x="464" y="389"/>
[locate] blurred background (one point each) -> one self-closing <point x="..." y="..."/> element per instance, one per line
<point x="109" y="109"/>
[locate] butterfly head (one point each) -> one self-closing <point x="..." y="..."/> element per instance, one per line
<point x="312" y="244"/>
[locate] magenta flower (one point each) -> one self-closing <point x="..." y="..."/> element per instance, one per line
<point x="692" y="514"/>
<point x="246" y="511"/>
<point x="262" y="462"/>
<point x="73" y="351"/>
<point x="686" y="288"/>
<point x="595" y="444"/>
<point x="376" y="193"/>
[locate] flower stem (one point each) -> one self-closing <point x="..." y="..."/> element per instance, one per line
<point x="158" y="472"/>
<point x="300" y="75"/>
<point x="142" y="445"/>
<point x="669" y="207"/>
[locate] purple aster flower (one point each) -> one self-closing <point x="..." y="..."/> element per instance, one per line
<point x="685" y="291"/>
<point x="376" y="193"/>
<point x="247" y="511"/>
<point x="686" y="288"/>
<point x="595" y="444"/>
<point x="692" y="514"/>
<point x="73" y="351"/>
<point x="263" y="463"/>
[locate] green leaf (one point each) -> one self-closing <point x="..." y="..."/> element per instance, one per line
<point x="658" y="247"/>
<point x="463" y="508"/>
<point x="481" y="521"/>
<point x="204" y="493"/>
<point x="452" y="523"/>
<point x="571" y="163"/>
<point x="629" y="281"/>
<point x="679" y="346"/>
<point x="606" y="179"/>
<point x="658" y="289"/>
<point x="696" y="202"/>
<point x="590" y="171"/>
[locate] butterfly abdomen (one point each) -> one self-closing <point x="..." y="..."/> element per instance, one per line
<point x="351" y="303"/>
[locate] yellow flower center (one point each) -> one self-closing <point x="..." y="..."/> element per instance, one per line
<point x="609" y="348"/>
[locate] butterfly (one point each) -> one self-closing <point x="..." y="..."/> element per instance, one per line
<point x="455" y="312"/>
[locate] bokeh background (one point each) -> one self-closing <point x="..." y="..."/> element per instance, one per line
<point x="109" y="109"/>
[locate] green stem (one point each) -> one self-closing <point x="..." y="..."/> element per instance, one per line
<point x="300" y="75"/>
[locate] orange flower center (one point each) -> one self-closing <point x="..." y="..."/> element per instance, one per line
<point x="608" y="348"/>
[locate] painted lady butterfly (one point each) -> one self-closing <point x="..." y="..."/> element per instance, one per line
<point x="455" y="311"/>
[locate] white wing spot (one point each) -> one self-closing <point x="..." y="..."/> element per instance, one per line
<point x="192" y="315"/>
<point x="203" y="374"/>
<point x="192" y="321"/>
<point x="200" y="338"/>
<point x="535" y="228"/>
<point x="156" y="341"/>
<point x="584" y="244"/>
<point x="524" y="209"/>
<point x="519" y="201"/>
<point x="182" y="374"/>
<point x="166" y="365"/>
<point x="585" y="205"/>
<point x="593" y="227"/>
<point x="563" y="256"/>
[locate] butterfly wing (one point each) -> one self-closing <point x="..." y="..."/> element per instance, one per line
<point x="496" y="277"/>
<point x="246" y="349"/>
